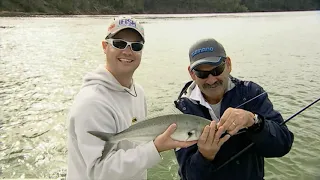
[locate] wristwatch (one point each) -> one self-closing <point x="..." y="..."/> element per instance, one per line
<point x="256" y="119"/>
<point x="257" y="125"/>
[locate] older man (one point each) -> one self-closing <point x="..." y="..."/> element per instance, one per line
<point x="216" y="95"/>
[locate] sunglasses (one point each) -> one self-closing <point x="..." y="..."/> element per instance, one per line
<point x="122" y="44"/>
<point x="214" y="72"/>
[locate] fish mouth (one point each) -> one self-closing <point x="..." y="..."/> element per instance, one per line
<point x="191" y="139"/>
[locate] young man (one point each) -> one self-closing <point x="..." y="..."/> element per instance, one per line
<point x="110" y="101"/>
<point x="215" y="94"/>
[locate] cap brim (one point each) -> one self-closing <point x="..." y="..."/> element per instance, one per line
<point x="214" y="61"/>
<point x="115" y="32"/>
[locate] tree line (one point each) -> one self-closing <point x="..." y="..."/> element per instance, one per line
<point x="154" y="6"/>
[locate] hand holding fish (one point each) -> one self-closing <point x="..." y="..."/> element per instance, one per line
<point x="171" y="131"/>
<point x="233" y="120"/>
<point x="209" y="142"/>
<point x="164" y="142"/>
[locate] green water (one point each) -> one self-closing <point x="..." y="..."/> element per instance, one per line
<point x="43" y="60"/>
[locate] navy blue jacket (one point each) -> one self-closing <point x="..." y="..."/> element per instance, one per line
<point x="272" y="140"/>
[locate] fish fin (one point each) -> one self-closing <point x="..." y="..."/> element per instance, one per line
<point x="167" y="110"/>
<point x="172" y="110"/>
<point x="102" y="135"/>
<point x="107" y="148"/>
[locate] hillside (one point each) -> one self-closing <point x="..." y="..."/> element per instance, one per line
<point x="70" y="7"/>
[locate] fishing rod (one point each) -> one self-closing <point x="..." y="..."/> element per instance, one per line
<point x="250" y="145"/>
<point x="251" y="99"/>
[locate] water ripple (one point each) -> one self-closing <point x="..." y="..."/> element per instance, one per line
<point x="44" y="59"/>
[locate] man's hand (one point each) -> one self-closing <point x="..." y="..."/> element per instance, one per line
<point x="233" y="120"/>
<point x="164" y="142"/>
<point x="209" y="142"/>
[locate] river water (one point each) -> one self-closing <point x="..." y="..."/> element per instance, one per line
<point x="43" y="60"/>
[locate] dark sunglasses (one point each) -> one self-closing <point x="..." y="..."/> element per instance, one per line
<point x="214" y="72"/>
<point x="122" y="44"/>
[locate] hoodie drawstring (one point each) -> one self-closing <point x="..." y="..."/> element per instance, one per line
<point x="134" y="87"/>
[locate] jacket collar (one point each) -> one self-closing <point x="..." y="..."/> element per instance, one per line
<point x="193" y="92"/>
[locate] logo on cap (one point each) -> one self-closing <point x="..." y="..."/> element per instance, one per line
<point x="201" y="50"/>
<point x="127" y="22"/>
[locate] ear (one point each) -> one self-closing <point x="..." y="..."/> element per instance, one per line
<point x="229" y="65"/>
<point x="104" y="46"/>
<point x="192" y="75"/>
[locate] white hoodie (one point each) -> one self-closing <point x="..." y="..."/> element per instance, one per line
<point x="103" y="104"/>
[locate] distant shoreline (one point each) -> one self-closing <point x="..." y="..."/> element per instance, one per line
<point x="35" y="14"/>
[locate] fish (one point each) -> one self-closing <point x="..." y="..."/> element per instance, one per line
<point x="189" y="128"/>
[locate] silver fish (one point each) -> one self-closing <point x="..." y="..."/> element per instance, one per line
<point x="189" y="128"/>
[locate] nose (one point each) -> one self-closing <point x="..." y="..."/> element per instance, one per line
<point x="127" y="50"/>
<point x="211" y="79"/>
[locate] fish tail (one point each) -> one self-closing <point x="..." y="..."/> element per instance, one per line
<point x="109" y="143"/>
<point x="107" y="148"/>
<point x="107" y="137"/>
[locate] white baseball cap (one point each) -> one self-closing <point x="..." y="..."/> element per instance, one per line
<point x="124" y="22"/>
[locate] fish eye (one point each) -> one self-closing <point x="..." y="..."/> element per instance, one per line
<point x="190" y="133"/>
